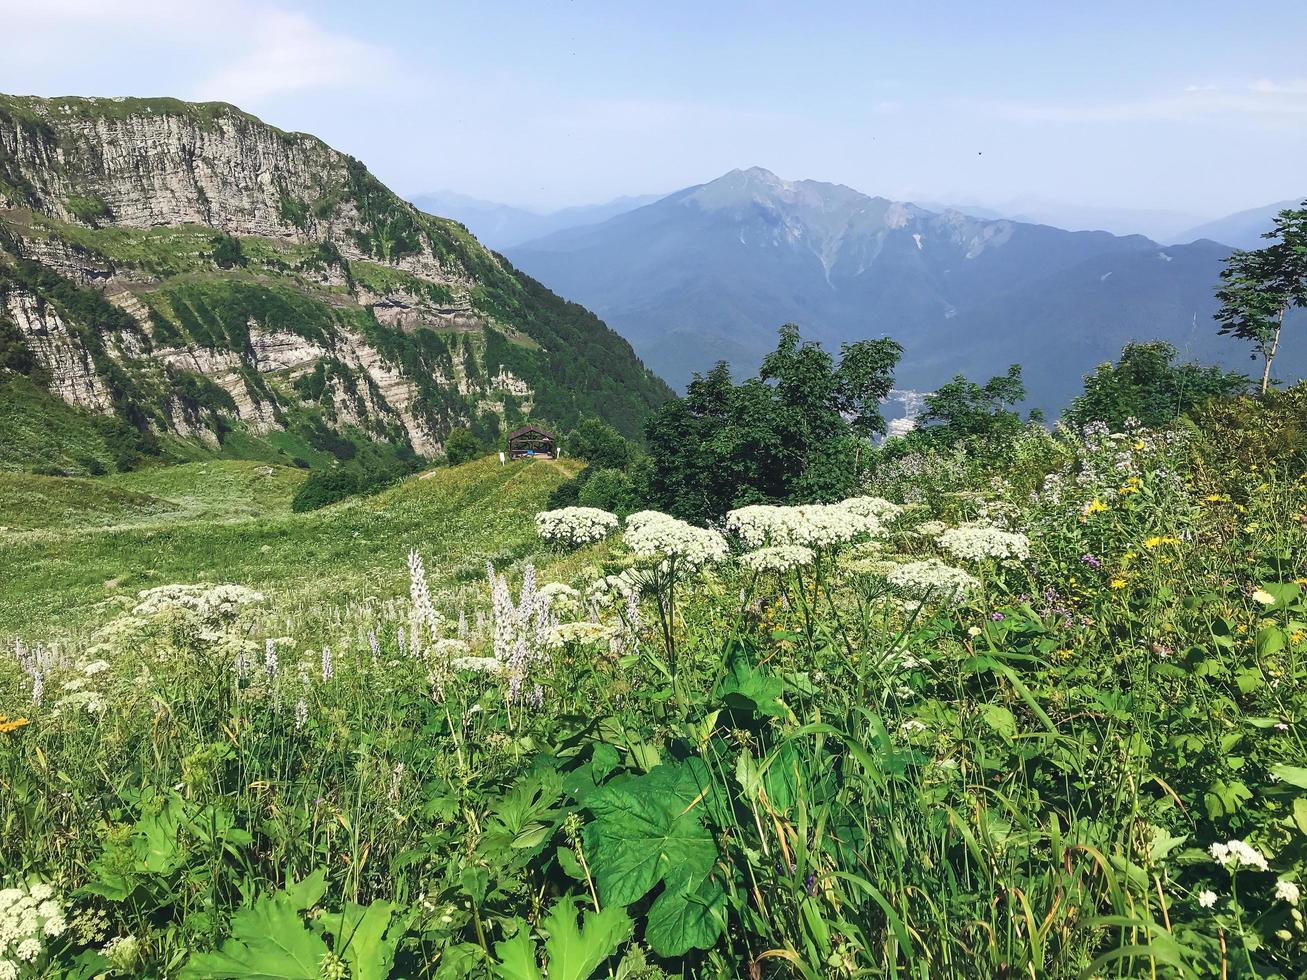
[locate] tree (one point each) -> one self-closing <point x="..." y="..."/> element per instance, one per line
<point x="963" y="409"/>
<point x="1145" y="385"/>
<point x="1259" y="287"/>
<point x="599" y="444"/>
<point x="798" y="431"/>
<point x="461" y="447"/>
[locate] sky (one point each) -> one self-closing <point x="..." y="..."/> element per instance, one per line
<point x="1192" y="107"/>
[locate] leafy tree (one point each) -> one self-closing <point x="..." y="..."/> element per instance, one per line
<point x="227" y="252"/>
<point x="963" y="409"/>
<point x="461" y="447"/>
<point x="598" y="443"/>
<point x="1259" y="287"/>
<point x="608" y="489"/>
<point x="796" y="432"/>
<point x="1144" y="384"/>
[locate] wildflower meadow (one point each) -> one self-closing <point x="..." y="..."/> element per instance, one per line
<point x="1032" y="711"/>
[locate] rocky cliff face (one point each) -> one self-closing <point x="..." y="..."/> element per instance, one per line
<point x="148" y="243"/>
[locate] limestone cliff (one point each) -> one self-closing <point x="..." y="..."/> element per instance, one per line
<point x="189" y="268"/>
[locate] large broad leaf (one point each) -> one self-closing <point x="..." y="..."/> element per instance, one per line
<point x="366" y="937"/>
<point x="575" y="953"/>
<point x="649" y="829"/>
<point x="269" y="940"/>
<point x="686" y="917"/>
<point x="572" y="952"/>
<point x="748" y="688"/>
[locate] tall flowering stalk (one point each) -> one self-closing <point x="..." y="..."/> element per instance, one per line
<point x="521" y="628"/>
<point x="671" y="550"/>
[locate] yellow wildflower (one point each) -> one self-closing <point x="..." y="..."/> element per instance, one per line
<point x="1139" y="444"/>
<point x="1095" y="506"/>
<point x="7" y="726"/>
<point x="1118" y="583"/>
<point x="1297" y="636"/>
<point x="1156" y="541"/>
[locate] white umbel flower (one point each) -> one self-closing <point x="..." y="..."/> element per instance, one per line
<point x="660" y="537"/>
<point x="808" y="525"/>
<point x="575" y="526"/>
<point x="978" y="542"/>
<point x="778" y="558"/>
<point x="1237" y="854"/>
<point x="1287" y="891"/>
<point x="932" y="579"/>
<point x="1206" y="898"/>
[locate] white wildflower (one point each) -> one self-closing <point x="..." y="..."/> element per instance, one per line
<point x="978" y="542"/>
<point x="582" y="633"/>
<point x="932" y="579"/>
<point x="1263" y="597"/>
<point x="575" y="526"/>
<point x="95" y="667"/>
<point x="810" y="525"/>
<point x="1206" y="898"/>
<point x="778" y="558"/>
<point x="1287" y="891"/>
<point x="1237" y="854"/>
<point x="664" y="537"/>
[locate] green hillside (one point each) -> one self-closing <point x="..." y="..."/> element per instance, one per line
<point x="213" y="278"/>
<point x="76" y="550"/>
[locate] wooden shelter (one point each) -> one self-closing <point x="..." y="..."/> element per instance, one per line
<point x="532" y="442"/>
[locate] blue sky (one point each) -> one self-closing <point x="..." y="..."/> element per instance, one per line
<point x="1193" y="106"/>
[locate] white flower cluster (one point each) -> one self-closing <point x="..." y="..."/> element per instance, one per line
<point x="582" y="634"/>
<point x="878" y="507"/>
<point x="1287" y="891"/>
<point x="123" y="952"/>
<point x="29" y="915"/>
<point x="560" y="597"/>
<point x="575" y="526"/>
<point x="932" y="579"/>
<point x="211" y="603"/>
<point x="809" y="525"/>
<point x="624" y="587"/>
<point x="521" y="628"/>
<point x="1237" y="854"/>
<point x="978" y="542"/>
<point x="656" y="536"/>
<point x="778" y="558"/>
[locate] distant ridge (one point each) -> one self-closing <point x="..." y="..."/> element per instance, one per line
<point x="712" y="270"/>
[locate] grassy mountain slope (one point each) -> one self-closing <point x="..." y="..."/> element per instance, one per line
<point x="77" y="549"/>
<point x="190" y="271"/>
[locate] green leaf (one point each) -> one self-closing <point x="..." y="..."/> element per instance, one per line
<point x="516" y="956"/>
<point x="572" y="952"/>
<point x="649" y="829"/>
<point x="685" y="918"/>
<point x="1293" y="775"/>
<point x="269" y="941"/>
<point x="1226" y="797"/>
<point x="575" y="953"/>
<point x="1000" y="719"/>
<point x="366" y="938"/>
<point x="748" y="688"/>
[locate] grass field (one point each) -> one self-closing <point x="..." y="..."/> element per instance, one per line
<point x="1032" y="708"/>
<point x="72" y="546"/>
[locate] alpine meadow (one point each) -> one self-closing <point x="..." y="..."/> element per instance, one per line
<point x="369" y="610"/>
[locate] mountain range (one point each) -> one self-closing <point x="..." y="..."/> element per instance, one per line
<point x="711" y="271"/>
<point x="1244" y="229"/>
<point x="186" y="275"/>
<point x="501" y="226"/>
